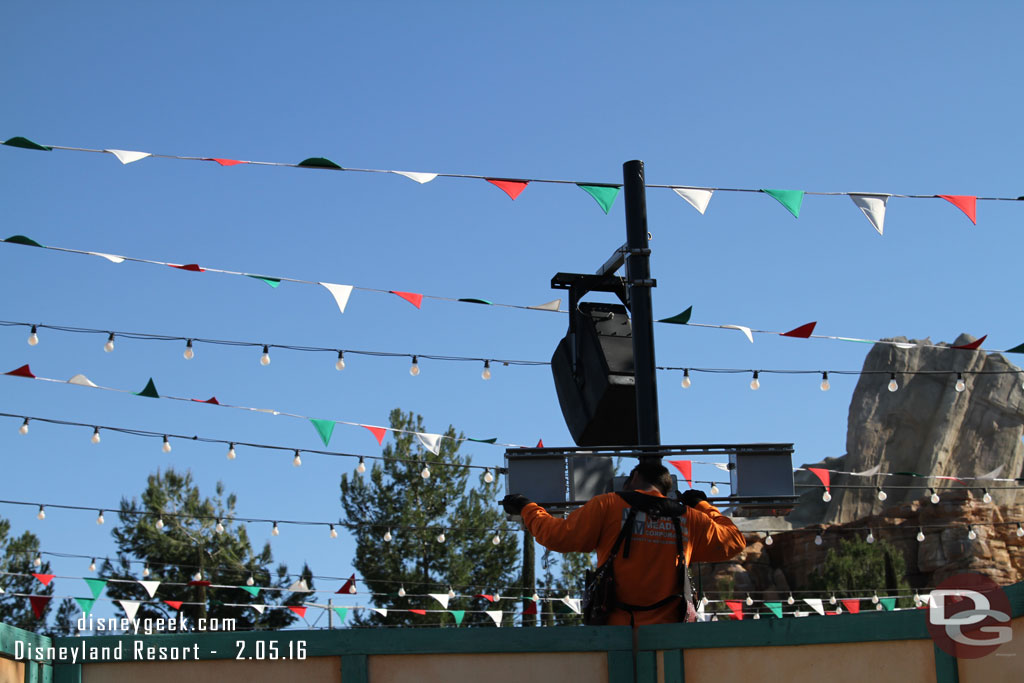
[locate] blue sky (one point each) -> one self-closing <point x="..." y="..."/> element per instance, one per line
<point x="875" y="97"/>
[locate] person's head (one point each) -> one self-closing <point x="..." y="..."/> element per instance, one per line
<point x="648" y="474"/>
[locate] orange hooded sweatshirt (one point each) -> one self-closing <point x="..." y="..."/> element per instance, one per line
<point x="649" y="573"/>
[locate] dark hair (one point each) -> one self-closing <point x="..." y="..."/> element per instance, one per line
<point x="654" y="474"/>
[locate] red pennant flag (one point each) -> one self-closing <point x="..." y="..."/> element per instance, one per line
<point x="685" y="468"/>
<point x="421" y="612"/>
<point x="831" y="614"/>
<point x="212" y="399"/>
<point x="301" y="611"/>
<point x="199" y="583"/>
<point x="226" y="162"/>
<point x="414" y="299"/>
<point x="965" y="203"/>
<point x="802" y="332"/>
<point x="349" y="585"/>
<point x="488" y="598"/>
<point x="973" y="346"/>
<point x="45" y="579"/>
<point x="510" y="187"/>
<point x="176" y="604"/>
<point x="39" y="603"/>
<point x="737" y="609"/>
<point x="193" y="267"/>
<point x="821" y="474"/>
<point x="540" y="444"/>
<point x="530" y="608"/>
<point x="23" y="371"/>
<point x="852" y="605"/>
<point x="377" y="432"/>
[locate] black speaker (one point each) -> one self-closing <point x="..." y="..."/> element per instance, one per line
<point x="594" y="376"/>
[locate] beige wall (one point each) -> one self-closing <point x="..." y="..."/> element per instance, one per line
<point x="1005" y="664"/>
<point x="563" y="667"/>
<point x="11" y="671"/>
<point x="327" y="669"/>
<point x="884" y="662"/>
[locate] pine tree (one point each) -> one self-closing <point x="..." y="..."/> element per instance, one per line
<point x="189" y="544"/>
<point x="393" y="498"/>
<point x="856" y="567"/>
<point x="17" y="561"/>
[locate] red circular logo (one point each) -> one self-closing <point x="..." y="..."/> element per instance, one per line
<point x="969" y="616"/>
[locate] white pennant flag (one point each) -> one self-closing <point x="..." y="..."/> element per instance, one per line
<point x="380" y="610"/>
<point x="130" y="607"/>
<point x="816" y="605"/>
<point x="432" y="442"/>
<point x="741" y="328"/>
<point x="549" y="306"/>
<point x="904" y="345"/>
<point x="341" y="293"/>
<point x="259" y="608"/>
<point x="572" y="603"/>
<point x="697" y="198"/>
<point x="496" y="615"/>
<point x="441" y="598"/>
<point x="150" y="586"/>
<point x="127" y="157"/>
<point x="868" y="473"/>
<point x="300" y="586"/>
<point x="420" y="178"/>
<point x="2" y="591"/>
<point x="81" y="380"/>
<point x="993" y="474"/>
<point x="113" y="258"/>
<point x="873" y="206"/>
<point x="724" y="466"/>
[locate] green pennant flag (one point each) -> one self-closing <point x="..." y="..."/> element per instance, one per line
<point x="272" y="281"/>
<point x="96" y="586"/>
<point x="324" y="428"/>
<point x="888" y="603"/>
<point x="25" y="143"/>
<point x="86" y="604"/>
<point x="342" y="612"/>
<point x="604" y="195"/>
<point x="493" y="439"/>
<point x="251" y="590"/>
<point x="679" y="318"/>
<point x="21" y="239"/>
<point x="458" y="614"/>
<point x="477" y="301"/>
<point x="775" y="607"/>
<point x="320" y="162"/>
<point x="791" y="199"/>
<point x="150" y="390"/>
<point x="1019" y="348"/>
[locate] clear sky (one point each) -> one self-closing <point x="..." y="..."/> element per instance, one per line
<point x="901" y="98"/>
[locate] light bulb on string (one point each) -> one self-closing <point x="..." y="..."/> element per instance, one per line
<point x="100" y="520"/>
<point x="275" y="531"/>
<point x="189" y="353"/>
<point x="231" y="451"/>
<point x="497" y="539"/>
<point x="220" y="527"/>
<point x="960" y="384"/>
<point x="755" y="383"/>
<point x="23" y="429"/>
<point x="871" y="537"/>
<point x="757" y="615"/>
<point x="340" y="364"/>
<point x="92" y="565"/>
<point x="818" y="540"/>
<point x="971" y="533"/>
<point x="790" y="600"/>
<point x="42" y="513"/>
<point x="33" y="337"/>
<point x="440" y="537"/>
<point x="265" y="358"/>
<point x="250" y="581"/>
<point x="882" y="495"/>
<point x="986" y="497"/>
<point x="874" y="599"/>
<point x="38" y="562"/>
<point x="297" y="460"/>
<point x="109" y="346"/>
<point x="425" y="472"/>
<point x="414" y="369"/>
<point x="361" y="467"/>
<point x="334" y="532"/>
<point x="159" y="523"/>
<point x="832" y="599"/>
<point x="893" y="384"/>
<point x="486" y="374"/>
<point x="750" y="600"/>
<point x="198" y="576"/>
<point x="714" y="489"/>
<point x="825" y="384"/>
<point x="95" y="435"/>
<point x="388" y="536"/>
<point x="488" y="477"/>
<point x="920" y="535"/>
<point x="167" y="445"/>
<point x="451" y="592"/>
<point x="1020" y="530"/>
<point x="827" y="496"/>
<point x="839" y="610"/>
<point x="917" y="599"/>
<point x="934" y="497"/>
<point x="145" y="571"/>
<point x="401" y="591"/>
<point x="768" y="540"/>
<point x="685" y="384"/>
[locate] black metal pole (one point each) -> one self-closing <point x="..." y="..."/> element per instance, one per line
<point x="528" y="580"/>
<point x="639" y="283"/>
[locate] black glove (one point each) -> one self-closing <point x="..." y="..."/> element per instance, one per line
<point x="514" y="503"/>
<point x="692" y="497"/>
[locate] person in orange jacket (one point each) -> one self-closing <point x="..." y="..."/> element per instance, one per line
<point x="649" y="574"/>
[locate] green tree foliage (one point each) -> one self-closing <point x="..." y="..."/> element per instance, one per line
<point x="392" y="495"/>
<point x="563" y="574"/>
<point x="857" y="567"/>
<point x="192" y="543"/>
<point x="16" y="561"/>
